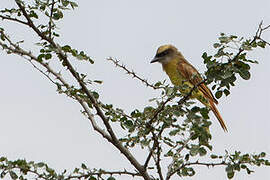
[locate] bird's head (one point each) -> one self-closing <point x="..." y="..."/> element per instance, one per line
<point x="164" y="54"/>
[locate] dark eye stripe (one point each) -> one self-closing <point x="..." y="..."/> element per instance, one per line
<point x="164" y="53"/>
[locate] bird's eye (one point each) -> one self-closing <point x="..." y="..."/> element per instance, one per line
<point x="163" y="53"/>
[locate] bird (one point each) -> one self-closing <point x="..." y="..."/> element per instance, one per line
<point x="183" y="74"/>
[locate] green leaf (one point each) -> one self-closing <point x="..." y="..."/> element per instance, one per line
<point x="262" y="44"/>
<point x="83" y="166"/>
<point x="158" y="84"/>
<point x="3" y="173"/>
<point x="40" y="164"/>
<point x="230" y="172"/>
<point x="2" y="36"/>
<point x="251" y="61"/>
<point x="216" y="45"/>
<point x="2" y="159"/>
<point x="66" y="48"/>
<point x="226" y="92"/>
<point x="76" y="170"/>
<point x="249" y="171"/>
<point x="98" y="81"/>
<point x="213" y="156"/>
<point x="206" y="58"/>
<point x="128" y="124"/>
<point x="195" y="109"/>
<point x="65" y="3"/>
<point x="111" y="178"/>
<point x="187" y="157"/>
<point x="50" y="170"/>
<point x="194" y="150"/>
<point x="224" y="39"/>
<point x="33" y="14"/>
<point x="39" y="58"/>
<point x="174" y="132"/>
<point x="204" y="113"/>
<point x="92" y="178"/>
<point x="202" y="151"/>
<point x="13" y="175"/>
<point x="267" y="163"/>
<point x="57" y="15"/>
<point x="48" y="56"/>
<point x="245" y="74"/>
<point x="243" y="166"/>
<point x="73" y="5"/>
<point x="218" y="94"/>
<point x="95" y="94"/>
<point x="230" y="175"/>
<point x="263" y="154"/>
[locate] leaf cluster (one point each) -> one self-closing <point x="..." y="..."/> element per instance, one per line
<point x="21" y="169"/>
<point x="229" y="61"/>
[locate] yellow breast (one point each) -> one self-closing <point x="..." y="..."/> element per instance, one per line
<point x="171" y="68"/>
<point x="172" y="71"/>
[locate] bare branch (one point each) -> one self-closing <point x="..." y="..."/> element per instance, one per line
<point x="222" y="163"/>
<point x="90" y="116"/>
<point x="51" y="21"/>
<point x="158" y="163"/>
<point x="102" y="172"/>
<point x="13" y="19"/>
<point x="42" y="72"/>
<point x="132" y="73"/>
<point x="151" y="150"/>
<point x="257" y="36"/>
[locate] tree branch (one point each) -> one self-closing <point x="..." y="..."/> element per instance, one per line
<point x="50" y="22"/>
<point x="257" y="36"/>
<point x="132" y="73"/>
<point x="102" y="172"/>
<point x="158" y="163"/>
<point x="223" y="163"/>
<point x="13" y="19"/>
<point x="178" y="151"/>
<point x="62" y="56"/>
<point x="151" y="151"/>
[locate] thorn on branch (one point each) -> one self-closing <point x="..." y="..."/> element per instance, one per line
<point x="132" y="73"/>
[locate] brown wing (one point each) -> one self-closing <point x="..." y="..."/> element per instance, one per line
<point x="193" y="76"/>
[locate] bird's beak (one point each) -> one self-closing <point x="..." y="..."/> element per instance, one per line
<point x="156" y="59"/>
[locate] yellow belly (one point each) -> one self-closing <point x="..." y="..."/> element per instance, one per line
<point x="185" y="86"/>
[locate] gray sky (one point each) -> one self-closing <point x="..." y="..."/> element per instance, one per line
<point x="40" y="125"/>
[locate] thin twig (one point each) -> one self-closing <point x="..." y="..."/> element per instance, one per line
<point x="178" y="151"/>
<point x="223" y="163"/>
<point x="257" y="36"/>
<point x="42" y="72"/>
<point x="151" y="151"/>
<point x="51" y="21"/>
<point x="102" y="172"/>
<point x="158" y="163"/>
<point x="159" y="110"/>
<point x="13" y="19"/>
<point x="132" y="73"/>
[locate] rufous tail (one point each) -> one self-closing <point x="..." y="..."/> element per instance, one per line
<point x="217" y="114"/>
